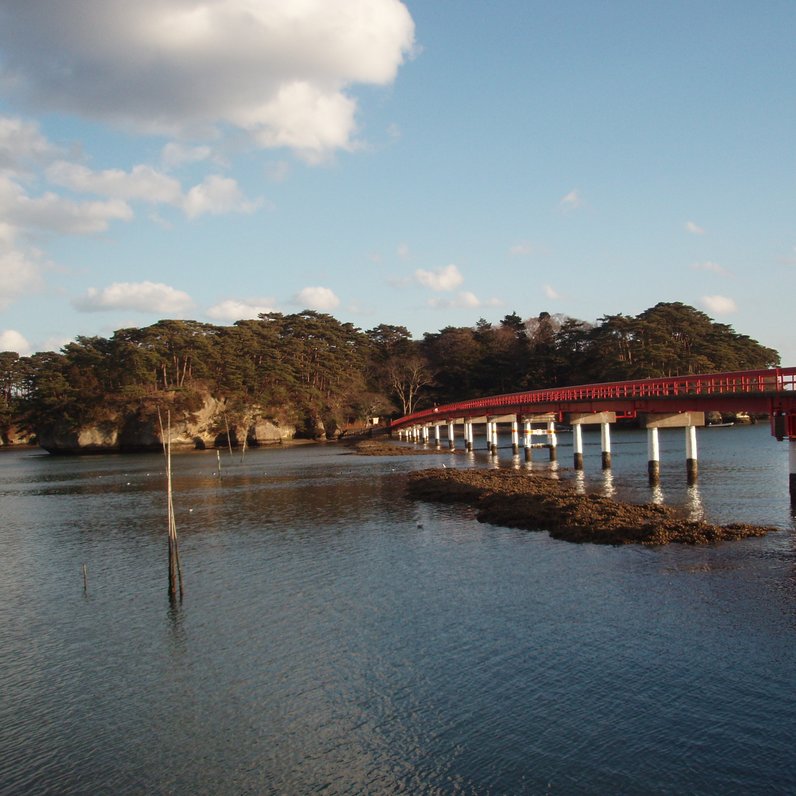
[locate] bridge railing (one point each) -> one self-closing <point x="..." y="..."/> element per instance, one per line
<point x="751" y="382"/>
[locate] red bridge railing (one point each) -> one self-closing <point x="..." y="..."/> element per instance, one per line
<point x="760" y="390"/>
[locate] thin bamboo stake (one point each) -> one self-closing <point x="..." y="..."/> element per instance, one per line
<point x="229" y="439"/>
<point x="218" y="456"/>
<point x="243" y="449"/>
<point x="85" y="579"/>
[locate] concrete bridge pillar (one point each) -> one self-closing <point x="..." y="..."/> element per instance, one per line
<point x="691" y="455"/>
<point x="468" y="434"/>
<point x="605" y="441"/>
<point x="515" y="436"/>
<point x="552" y="440"/>
<point x="686" y="420"/>
<point x="792" y="469"/>
<point x="494" y="446"/>
<point x="653" y="456"/>
<point x="436" y="435"/>
<point x="451" y="435"/>
<point x="577" y="446"/>
<point x="526" y="438"/>
<point x="425" y="435"/>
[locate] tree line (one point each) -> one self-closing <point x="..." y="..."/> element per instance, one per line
<point x="333" y="372"/>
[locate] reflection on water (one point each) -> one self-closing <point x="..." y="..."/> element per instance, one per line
<point x="337" y="637"/>
<point x="696" y="511"/>
<point x="657" y="495"/>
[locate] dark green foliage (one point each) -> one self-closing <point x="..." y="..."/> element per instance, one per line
<point x="325" y="370"/>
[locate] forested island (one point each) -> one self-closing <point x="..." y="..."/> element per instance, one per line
<point x="309" y="375"/>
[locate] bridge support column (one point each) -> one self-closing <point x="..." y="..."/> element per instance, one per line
<point x="526" y="439"/>
<point x="552" y="440"/>
<point x="425" y="435"/>
<point x="577" y="446"/>
<point x="605" y="441"/>
<point x="515" y="437"/>
<point x="653" y="456"/>
<point x="792" y="462"/>
<point x="494" y="446"/>
<point x="451" y="435"/>
<point x="686" y="420"/>
<point x="436" y="435"/>
<point x="691" y="465"/>
<point x="468" y="434"/>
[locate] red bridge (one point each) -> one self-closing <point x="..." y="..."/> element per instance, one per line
<point x="657" y="403"/>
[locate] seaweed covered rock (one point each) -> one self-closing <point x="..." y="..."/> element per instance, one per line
<point x="536" y="503"/>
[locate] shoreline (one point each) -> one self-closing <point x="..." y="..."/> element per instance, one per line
<point x="538" y="503"/>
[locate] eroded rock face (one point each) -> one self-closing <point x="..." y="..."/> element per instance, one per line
<point x="203" y="427"/>
<point x="11" y="435"/>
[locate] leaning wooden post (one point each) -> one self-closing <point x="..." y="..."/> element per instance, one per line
<point x="229" y="439"/>
<point x="175" y="571"/>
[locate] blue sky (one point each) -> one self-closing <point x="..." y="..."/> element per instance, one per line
<point x="419" y="163"/>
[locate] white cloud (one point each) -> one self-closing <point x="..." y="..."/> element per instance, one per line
<point x="22" y="143"/>
<point x="403" y="251"/>
<point x="277" y="70"/>
<point x="12" y="340"/>
<point x="19" y="274"/>
<point x="693" y="228"/>
<point x="719" y="305"/>
<point x="138" y="296"/>
<point x="175" y="155"/>
<point x="240" y="309"/>
<point x="52" y="213"/>
<point x="440" y="279"/>
<point x="316" y="298"/>
<point x="714" y="268"/>
<point x="572" y="201"/>
<point x="142" y="183"/>
<point x="463" y="300"/>
<point x="217" y="195"/>
<point x="551" y="293"/>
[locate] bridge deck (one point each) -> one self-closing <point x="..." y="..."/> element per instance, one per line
<point x="770" y="392"/>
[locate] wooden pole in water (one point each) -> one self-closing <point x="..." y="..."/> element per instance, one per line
<point x="229" y="439"/>
<point x="175" y="570"/>
<point x="218" y="456"/>
<point x="85" y="579"/>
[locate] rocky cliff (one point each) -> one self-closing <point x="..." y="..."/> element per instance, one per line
<point x="210" y="424"/>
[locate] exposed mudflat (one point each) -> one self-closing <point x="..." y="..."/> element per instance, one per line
<point x="380" y="447"/>
<point x="539" y="503"/>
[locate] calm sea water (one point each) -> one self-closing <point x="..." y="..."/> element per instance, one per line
<point x="337" y="638"/>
